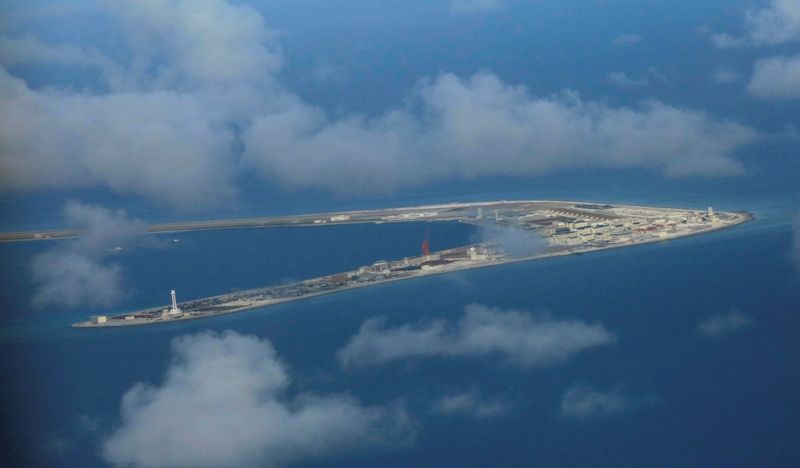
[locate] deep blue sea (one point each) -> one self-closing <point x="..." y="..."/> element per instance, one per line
<point x="726" y="401"/>
<point x="730" y="400"/>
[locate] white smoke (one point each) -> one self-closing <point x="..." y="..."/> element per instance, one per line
<point x="514" y="240"/>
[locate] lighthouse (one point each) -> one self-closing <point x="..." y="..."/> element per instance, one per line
<point x="175" y="309"/>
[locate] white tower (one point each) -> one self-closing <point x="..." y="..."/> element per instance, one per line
<point x="710" y="212"/>
<point x="175" y="309"/>
<point x="480" y="213"/>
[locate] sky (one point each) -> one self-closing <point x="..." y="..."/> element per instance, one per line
<point x="114" y="114"/>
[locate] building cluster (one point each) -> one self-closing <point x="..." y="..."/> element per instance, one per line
<point x="565" y="227"/>
<point x="432" y="261"/>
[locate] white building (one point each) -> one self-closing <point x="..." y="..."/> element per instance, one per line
<point x="475" y="255"/>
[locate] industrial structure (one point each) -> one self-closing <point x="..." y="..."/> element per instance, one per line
<point x="555" y="228"/>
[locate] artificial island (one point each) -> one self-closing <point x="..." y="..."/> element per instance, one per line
<point x="553" y="228"/>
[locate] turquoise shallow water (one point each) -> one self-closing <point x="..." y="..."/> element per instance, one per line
<point x="728" y="401"/>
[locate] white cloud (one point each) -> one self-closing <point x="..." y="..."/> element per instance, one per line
<point x="457" y="123"/>
<point x="581" y="402"/>
<point x="101" y="228"/>
<point x="726" y="41"/>
<point x="166" y="129"/>
<point x="471" y="404"/>
<point x="28" y="49"/>
<point x="224" y="402"/>
<point x="28" y="11"/>
<point x="776" y="23"/>
<point x="519" y="338"/>
<point x="627" y="39"/>
<point x="198" y="105"/>
<point x="724" y="75"/>
<point x="724" y="323"/>
<point x="199" y="42"/>
<point x="623" y="80"/>
<point x="470" y="6"/>
<point x="651" y="76"/>
<point x="162" y="145"/>
<point x="76" y="272"/>
<point x="776" y="77"/>
<point x="68" y="279"/>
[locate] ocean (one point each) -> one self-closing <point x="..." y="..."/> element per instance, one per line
<point x="728" y="400"/>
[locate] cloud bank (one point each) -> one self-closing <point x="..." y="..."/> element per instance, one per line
<point x="725" y="323"/>
<point x="199" y="103"/>
<point x="77" y="273"/>
<point x="776" y="77"/>
<point x="518" y="338"/>
<point x="776" y="23"/>
<point x="458" y="122"/>
<point x="162" y="123"/>
<point x="223" y="402"/>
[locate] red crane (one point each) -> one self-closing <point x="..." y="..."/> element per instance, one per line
<point x="426" y="245"/>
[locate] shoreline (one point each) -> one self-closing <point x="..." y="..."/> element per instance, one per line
<point x="742" y="217"/>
